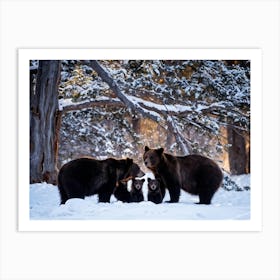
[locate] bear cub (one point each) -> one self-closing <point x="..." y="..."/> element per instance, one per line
<point x="136" y="190"/>
<point x="154" y="191"/>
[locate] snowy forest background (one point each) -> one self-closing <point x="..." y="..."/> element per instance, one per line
<point x="113" y="108"/>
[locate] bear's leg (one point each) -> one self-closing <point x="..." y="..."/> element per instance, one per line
<point x="208" y="181"/>
<point x="104" y="196"/>
<point x="205" y="196"/>
<point x="75" y="190"/>
<point x="71" y="190"/>
<point x="63" y="195"/>
<point x="162" y="189"/>
<point x="159" y="198"/>
<point x="121" y="193"/>
<point x="174" y="193"/>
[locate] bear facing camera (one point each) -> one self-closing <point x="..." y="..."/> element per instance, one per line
<point x="154" y="192"/>
<point x="195" y="174"/>
<point x="136" y="190"/>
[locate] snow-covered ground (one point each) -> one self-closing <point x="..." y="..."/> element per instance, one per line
<point x="226" y="205"/>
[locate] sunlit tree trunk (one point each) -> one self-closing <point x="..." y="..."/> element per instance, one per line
<point x="239" y="160"/>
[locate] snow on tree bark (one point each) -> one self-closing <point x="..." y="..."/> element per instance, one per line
<point x="43" y="122"/>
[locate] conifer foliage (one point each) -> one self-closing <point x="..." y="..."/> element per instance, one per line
<point x="115" y="107"/>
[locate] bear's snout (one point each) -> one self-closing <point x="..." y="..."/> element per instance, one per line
<point x="153" y="187"/>
<point x="148" y="163"/>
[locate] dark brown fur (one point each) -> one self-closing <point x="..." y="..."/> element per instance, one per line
<point x="134" y="195"/>
<point x="87" y="176"/>
<point x="136" y="190"/>
<point x="154" y="191"/>
<point x="194" y="174"/>
<point x="121" y="192"/>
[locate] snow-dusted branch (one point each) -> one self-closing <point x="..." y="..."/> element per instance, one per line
<point x="66" y="105"/>
<point x="105" y="76"/>
<point x="146" y="108"/>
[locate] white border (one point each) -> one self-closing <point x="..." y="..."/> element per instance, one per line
<point x="25" y="224"/>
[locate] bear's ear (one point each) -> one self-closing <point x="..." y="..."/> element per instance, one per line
<point x="147" y="148"/>
<point x="160" y="151"/>
<point x="129" y="161"/>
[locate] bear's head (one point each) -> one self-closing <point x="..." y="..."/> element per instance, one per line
<point x="137" y="184"/>
<point x="153" y="185"/>
<point x="135" y="171"/>
<point x="123" y="168"/>
<point x="152" y="157"/>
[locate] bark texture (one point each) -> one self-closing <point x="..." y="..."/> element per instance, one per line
<point x="239" y="159"/>
<point x="44" y="119"/>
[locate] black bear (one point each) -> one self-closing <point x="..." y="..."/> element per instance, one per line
<point x="154" y="191"/>
<point x="195" y="174"/>
<point x="87" y="176"/>
<point x="136" y="190"/>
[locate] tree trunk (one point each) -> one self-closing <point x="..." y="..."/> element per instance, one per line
<point x="44" y="118"/>
<point x="238" y="158"/>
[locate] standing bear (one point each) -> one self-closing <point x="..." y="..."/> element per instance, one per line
<point x="194" y="174"/>
<point x="87" y="176"/>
